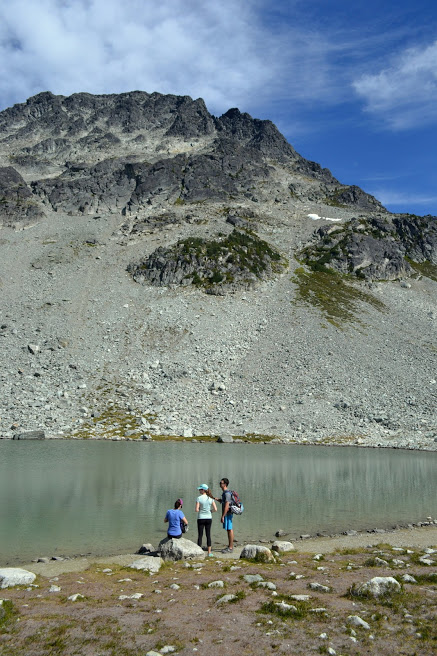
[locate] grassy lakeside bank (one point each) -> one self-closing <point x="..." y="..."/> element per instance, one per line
<point x="178" y="608"/>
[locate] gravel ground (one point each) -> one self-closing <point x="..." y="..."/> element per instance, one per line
<point x="88" y="352"/>
<point x="123" y="611"/>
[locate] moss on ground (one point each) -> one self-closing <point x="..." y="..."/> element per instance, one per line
<point x="339" y="301"/>
<point x="427" y="269"/>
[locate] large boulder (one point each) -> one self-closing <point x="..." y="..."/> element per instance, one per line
<point x="256" y="552"/>
<point x="150" y="564"/>
<point x="379" y="586"/>
<point x="178" y="549"/>
<point x="10" y="576"/>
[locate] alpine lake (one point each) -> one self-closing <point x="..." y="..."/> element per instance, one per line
<point x="72" y="497"/>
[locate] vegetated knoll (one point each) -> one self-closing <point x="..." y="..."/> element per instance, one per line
<point x="238" y="260"/>
<point x="375" y="247"/>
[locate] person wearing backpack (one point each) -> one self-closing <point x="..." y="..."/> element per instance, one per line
<point x="205" y="505"/>
<point x="226" y="518"/>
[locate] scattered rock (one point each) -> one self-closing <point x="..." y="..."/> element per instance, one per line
<point x="266" y="584"/>
<point x="252" y="578"/>
<point x="225" y="439"/>
<point x="146" y="548"/>
<point x="355" y="620"/>
<point x="282" y="546"/>
<point x="257" y="552"/>
<point x="407" y="578"/>
<point x="75" y="597"/>
<point x="226" y="599"/>
<point x="11" y="576"/>
<point x="150" y="564"/>
<point x="380" y="562"/>
<point x="318" y="587"/>
<point x="285" y="608"/>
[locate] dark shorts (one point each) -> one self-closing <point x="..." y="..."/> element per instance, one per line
<point x="174" y="537"/>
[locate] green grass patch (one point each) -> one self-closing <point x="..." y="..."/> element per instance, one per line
<point x="424" y="579"/>
<point x="349" y="551"/>
<point x="239" y="596"/>
<point x="427" y="269"/>
<point x="427" y="628"/>
<point x="8" y="612"/>
<point x="339" y="301"/>
<point x="371" y="562"/>
<point x="257" y="437"/>
<point x="272" y="608"/>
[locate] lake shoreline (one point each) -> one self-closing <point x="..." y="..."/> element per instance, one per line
<point x="364" y="442"/>
<point x="421" y="534"/>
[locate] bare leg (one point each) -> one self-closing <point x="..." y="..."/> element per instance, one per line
<point x="231" y="538"/>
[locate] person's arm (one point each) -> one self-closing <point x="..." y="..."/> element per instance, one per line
<point x="214" y="507"/>
<point x="226" y="505"/>
<point x="166" y="517"/>
<point x="197" y="508"/>
<point x="225" y="508"/>
<point x="183" y="518"/>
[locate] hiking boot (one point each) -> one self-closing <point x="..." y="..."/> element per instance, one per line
<point x="227" y="550"/>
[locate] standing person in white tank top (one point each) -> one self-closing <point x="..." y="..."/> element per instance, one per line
<point x="205" y="506"/>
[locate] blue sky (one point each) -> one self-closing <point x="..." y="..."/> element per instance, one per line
<point x="352" y="85"/>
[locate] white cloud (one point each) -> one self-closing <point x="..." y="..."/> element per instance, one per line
<point x="404" y="94"/>
<point x="223" y="52"/>
<point x="394" y="198"/>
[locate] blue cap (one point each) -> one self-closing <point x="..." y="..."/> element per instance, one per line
<point x="203" y="487"/>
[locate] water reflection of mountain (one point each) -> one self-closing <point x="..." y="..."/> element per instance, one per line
<point x="102" y="497"/>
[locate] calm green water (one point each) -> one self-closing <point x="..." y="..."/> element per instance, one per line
<point x="72" y="497"/>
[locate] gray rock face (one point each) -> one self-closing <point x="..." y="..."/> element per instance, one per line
<point x="18" y="206"/>
<point x="97" y="144"/>
<point x="375" y="248"/>
<point x="10" y="576"/>
<point x="180" y="549"/>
